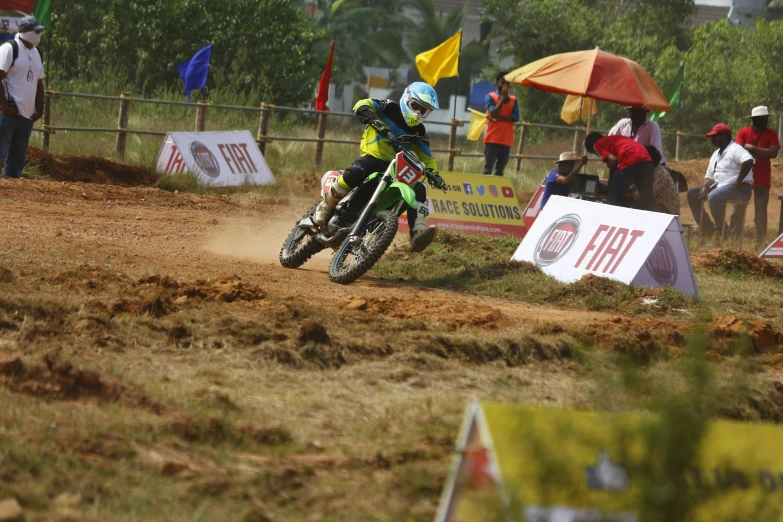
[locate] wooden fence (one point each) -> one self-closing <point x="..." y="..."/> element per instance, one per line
<point x="265" y="112"/>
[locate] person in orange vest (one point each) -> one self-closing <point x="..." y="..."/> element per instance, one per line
<point x="502" y="112"/>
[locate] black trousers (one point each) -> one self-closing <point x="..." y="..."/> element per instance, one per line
<point x="495" y="155"/>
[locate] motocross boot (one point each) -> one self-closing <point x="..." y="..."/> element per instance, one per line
<point x="421" y="234"/>
<point x="324" y="209"/>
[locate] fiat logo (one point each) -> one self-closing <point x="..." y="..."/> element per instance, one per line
<point x="205" y="159"/>
<point x="662" y="264"/>
<point x="557" y="240"/>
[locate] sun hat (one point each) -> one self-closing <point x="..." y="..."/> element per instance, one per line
<point x="567" y="156"/>
<point x="761" y="110"/>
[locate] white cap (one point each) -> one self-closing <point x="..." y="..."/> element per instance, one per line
<point x="567" y="156"/>
<point x="761" y="110"/>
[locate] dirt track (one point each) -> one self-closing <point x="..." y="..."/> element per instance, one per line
<point x="174" y="307"/>
<point x="160" y="336"/>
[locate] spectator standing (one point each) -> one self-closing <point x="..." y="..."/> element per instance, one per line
<point x="637" y="127"/>
<point x="728" y="177"/>
<point x="21" y="94"/>
<point x="629" y="163"/>
<point x="763" y="144"/>
<point x="502" y="113"/>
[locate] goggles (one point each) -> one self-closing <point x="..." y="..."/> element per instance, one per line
<point x="422" y="110"/>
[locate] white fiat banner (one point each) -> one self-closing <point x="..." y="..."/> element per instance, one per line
<point x="217" y="158"/>
<point x="571" y="238"/>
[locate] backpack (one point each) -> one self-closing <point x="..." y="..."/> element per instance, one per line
<point x="15" y="51"/>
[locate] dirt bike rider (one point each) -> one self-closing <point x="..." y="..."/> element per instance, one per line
<point x="403" y="121"/>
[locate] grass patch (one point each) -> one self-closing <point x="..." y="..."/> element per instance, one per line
<point x="481" y="265"/>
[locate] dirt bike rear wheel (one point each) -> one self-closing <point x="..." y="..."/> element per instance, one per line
<point x="299" y="246"/>
<point x="354" y="258"/>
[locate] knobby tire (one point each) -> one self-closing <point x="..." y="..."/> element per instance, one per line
<point x="385" y="238"/>
<point x="296" y="253"/>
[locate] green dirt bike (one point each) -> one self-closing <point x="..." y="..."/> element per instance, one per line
<point x="364" y="222"/>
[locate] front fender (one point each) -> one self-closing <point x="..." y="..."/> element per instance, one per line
<point x="395" y="192"/>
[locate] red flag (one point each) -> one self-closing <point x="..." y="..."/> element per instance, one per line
<point x="323" y="85"/>
<point x="17" y="5"/>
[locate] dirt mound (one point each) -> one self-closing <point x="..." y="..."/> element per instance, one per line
<point x="762" y="335"/>
<point x="88" y="169"/>
<point x="457" y="314"/>
<point x="591" y="284"/>
<point x="735" y="261"/>
<point x="86" y="276"/>
<point x="160" y="295"/>
<point x="645" y="339"/>
<point x="58" y="379"/>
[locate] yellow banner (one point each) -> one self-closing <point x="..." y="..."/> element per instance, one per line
<point x="475" y="204"/>
<point x="557" y="465"/>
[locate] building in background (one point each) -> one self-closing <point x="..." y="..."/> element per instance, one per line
<point x="735" y="11"/>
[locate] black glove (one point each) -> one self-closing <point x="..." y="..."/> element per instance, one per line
<point x="436" y="180"/>
<point x="380" y="127"/>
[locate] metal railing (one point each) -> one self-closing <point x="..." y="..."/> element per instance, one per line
<point x="265" y="111"/>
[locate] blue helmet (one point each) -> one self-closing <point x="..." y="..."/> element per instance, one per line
<point x="417" y="102"/>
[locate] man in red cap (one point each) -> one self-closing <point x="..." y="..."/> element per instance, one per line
<point x="728" y="177"/>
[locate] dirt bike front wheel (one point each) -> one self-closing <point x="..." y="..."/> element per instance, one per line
<point x="299" y="246"/>
<point x="357" y="255"/>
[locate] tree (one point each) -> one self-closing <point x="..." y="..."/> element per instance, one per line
<point x="262" y="48"/>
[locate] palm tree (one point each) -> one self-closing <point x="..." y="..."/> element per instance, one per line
<point x="368" y="33"/>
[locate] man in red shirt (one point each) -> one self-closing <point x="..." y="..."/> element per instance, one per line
<point x="629" y="163"/>
<point x="763" y="144"/>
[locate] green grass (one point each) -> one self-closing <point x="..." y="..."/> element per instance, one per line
<point x="481" y="265"/>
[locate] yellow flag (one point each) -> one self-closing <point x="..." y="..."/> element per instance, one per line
<point x="570" y="110"/>
<point x="440" y="62"/>
<point x="478" y="120"/>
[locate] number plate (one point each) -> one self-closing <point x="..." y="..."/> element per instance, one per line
<point x="407" y="173"/>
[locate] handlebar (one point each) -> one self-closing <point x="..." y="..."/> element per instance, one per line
<point x="431" y="178"/>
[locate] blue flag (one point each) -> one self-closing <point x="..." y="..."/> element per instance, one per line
<point x="195" y="70"/>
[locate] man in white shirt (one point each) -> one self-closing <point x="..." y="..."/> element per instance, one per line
<point x="728" y="177"/>
<point x="640" y="129"/>
<point x="21" y="94"/>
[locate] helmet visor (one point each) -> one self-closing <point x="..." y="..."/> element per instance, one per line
<point x="419" y="108"/>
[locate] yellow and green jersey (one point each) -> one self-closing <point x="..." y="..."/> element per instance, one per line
<point x="388" y="111"/>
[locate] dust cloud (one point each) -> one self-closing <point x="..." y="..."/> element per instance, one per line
<point x="258" y="240"/>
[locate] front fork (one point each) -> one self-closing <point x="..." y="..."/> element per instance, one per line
<point x="369" y="210"/>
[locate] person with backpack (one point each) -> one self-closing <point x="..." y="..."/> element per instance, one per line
<point x="21" y="94"/>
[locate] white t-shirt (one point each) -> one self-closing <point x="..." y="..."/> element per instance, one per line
<point x="649" y="133"/>
<point x="21" y="80"/>
<point x="724" y="168"/>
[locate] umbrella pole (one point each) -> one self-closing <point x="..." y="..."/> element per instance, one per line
<point x="587" y="131"/>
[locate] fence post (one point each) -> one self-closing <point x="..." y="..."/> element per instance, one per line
<point x="578" y="143"/>
<point x="453" y="143"/>
<point x="678" y="148"/>
<point x="122" y="124"/>
<point x="47" y="119"/>
<point x="263" y="127"/>
<point x="521" y="148"/>
<point x="319" y="146"/>
<point x="201" y="115"/>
